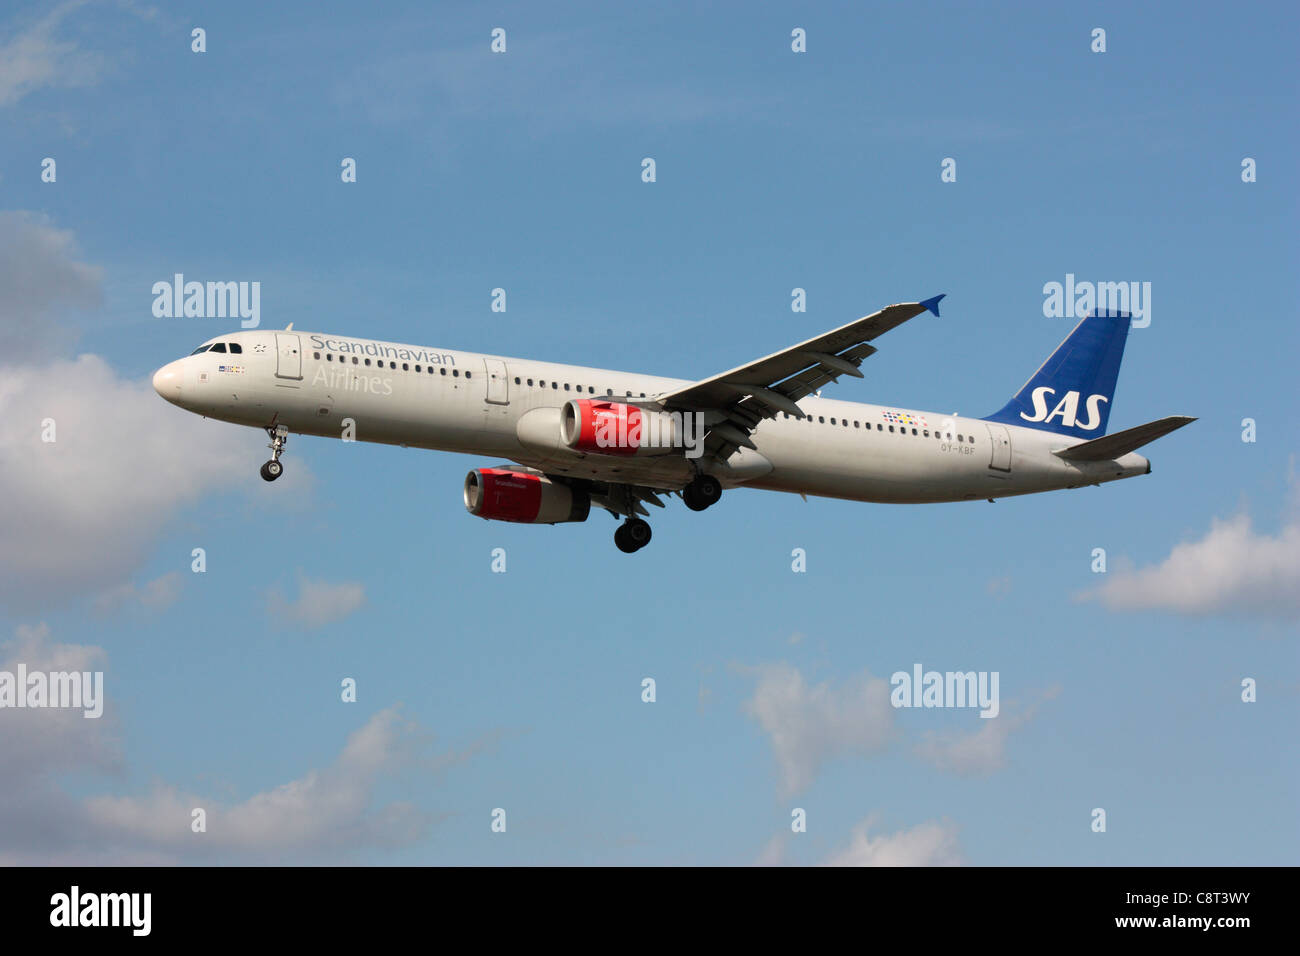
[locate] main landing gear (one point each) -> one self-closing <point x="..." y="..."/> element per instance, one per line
<point x="702" y="492"/>
<point x="279" y="435"/>
<point x="632" y="535"/>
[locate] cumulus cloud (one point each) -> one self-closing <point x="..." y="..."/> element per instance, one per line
<point x="979" y="752"/>
<point x="37" y="742"/>
<point x="318" y="602"/>
<point x="1233" y="569"/>
<point x="122" y="464"/>
<point x="154" y="595"/>
<point x="41" y="282"/>
<point x="811" y="725"/>
<point x="321" y="816"/>
<point x="926" y="844"/>
<point x="323" y="811"/>
<point x="39" y="54"/>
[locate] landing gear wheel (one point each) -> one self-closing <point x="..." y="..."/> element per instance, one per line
<point x="638" y="532"/>
<point x="279" y="435"/>
<point x="632" y="535"/>
<point x="702" y="492"/>
<point x="621" y="540"/>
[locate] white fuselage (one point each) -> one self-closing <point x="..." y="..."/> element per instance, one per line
<point x="493" y="406"/>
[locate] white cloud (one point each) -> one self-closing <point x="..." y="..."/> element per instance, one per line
<point x="35" y="742"/>
<point x="809" y="726"/>
<point x="155" y="595"/>
<point x="318" y="602"/>
<point x="926" y="844"/>
<point x="84" y="508"/>
<point x="321" y="816"/>
<point x="92" y="501"/>
<point x="40" y="282"/>
<point x="321" y="811"/>
<point x="980" y="752"/>
<point x="1232" y="570"/>
<point x="36" y="56"/>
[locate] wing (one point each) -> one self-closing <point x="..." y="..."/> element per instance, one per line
<point x="746" y="395"/>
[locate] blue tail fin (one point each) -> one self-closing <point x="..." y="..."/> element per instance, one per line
<point x="1072" y="392"/>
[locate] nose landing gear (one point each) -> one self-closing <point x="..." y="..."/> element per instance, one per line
<point x="632" y="535"/>
<point x="279" y="435"/>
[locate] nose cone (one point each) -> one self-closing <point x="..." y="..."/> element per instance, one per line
<point x="167" y="381"/>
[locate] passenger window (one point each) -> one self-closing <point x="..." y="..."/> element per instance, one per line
<point x="393" y="366"/>
<point x="554" y="385"/>
<point x="821" y="419"/>
<point x="455" y="373"/>
<point x="315" y="355"/>
<point x="405" y="367"/>
<point x="913" y="431"/>
<point x="891" y="428"/>
<point x="879" y="427"/>
<point x="237" y="349"/>
<point x="367" y="362"/>
<point x="855" y="423"/>
<point x="429" y="369"/>
<point x="541" y="383"/>
<point x="443" y="370"/>
<point x="329" y="357"/>
<point x="832" y="421"/>
<point x="926" y="433"/>
<point x="959" y="438"/>
<point x="219" y="347"/>
<point x="516" y="379"/>
<point x="566" y="386"/>
<point x="530" y="383"/>
<point x="467" y="374"/>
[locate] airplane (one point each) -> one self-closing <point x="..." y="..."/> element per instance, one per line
<point x="577" y="438"/>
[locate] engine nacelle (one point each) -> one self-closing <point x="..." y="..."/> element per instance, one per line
<point x="612" y="428"/>
<point x="503" y="495"/>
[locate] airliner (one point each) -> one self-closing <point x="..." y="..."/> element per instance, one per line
<point x="576" y="437"/>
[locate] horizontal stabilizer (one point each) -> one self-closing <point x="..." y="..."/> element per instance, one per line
<point x="1121" y="443"/>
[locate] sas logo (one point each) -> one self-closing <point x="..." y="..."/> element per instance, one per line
<point x="1067" y="408"/>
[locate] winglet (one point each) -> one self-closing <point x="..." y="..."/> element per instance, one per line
<point x="932" y="305"/>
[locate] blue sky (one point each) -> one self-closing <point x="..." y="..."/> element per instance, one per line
<point x="522" y="690"/>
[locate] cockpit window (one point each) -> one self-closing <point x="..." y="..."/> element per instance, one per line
<point x="236" y="348"/>
<point x="201" y="348"/>
<point x="219" y="347"/>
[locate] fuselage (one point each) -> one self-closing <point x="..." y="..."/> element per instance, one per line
<point x="488" y="405"/>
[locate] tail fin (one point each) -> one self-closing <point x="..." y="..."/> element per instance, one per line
<point x="1071" y="392"/>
